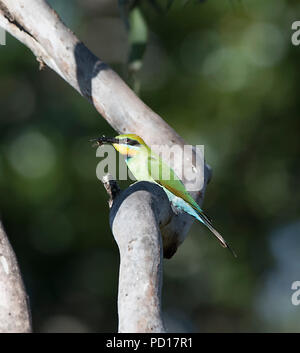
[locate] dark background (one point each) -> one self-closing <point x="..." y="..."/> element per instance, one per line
<point x="222" y="73"/>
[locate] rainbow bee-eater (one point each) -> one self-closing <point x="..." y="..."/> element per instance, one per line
<point x="142" y="161"/>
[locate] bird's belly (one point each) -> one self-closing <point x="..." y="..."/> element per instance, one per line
<point x="139" y="170"/>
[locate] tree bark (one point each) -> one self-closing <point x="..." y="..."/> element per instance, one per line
<point x="136" y="216"/>
<point x="14" y="307"/>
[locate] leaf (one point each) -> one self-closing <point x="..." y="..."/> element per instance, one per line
<point x="138" y="36"/>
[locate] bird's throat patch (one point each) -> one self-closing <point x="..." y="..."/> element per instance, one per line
<point x="125" y="150"/>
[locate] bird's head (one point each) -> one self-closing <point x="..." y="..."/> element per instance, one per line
<point x="128" y="145"/>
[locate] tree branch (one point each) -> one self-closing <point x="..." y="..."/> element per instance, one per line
<point x="136" y="216"/>
<point x="14" y="308"/>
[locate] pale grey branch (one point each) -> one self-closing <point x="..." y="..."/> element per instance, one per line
<point x="136" y="216"/>
<point x="14" y="308"/>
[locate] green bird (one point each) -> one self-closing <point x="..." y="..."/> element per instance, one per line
<point x="145" y="165"/>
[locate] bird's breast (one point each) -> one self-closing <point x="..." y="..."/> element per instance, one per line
<point x="139" y="168"/>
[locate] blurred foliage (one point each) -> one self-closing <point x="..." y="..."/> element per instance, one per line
<point x="223" y="74"/>
<point x="132" y="16"/>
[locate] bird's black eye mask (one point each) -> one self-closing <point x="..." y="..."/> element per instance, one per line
<point x="126" y="141"/>
<point x="131" y="142"/>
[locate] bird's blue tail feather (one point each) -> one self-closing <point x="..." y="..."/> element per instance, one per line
<point x="183" y="206"/>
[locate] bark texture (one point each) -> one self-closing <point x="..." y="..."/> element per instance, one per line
<point x="136" y="216"/>
<point x="14" y="307"/>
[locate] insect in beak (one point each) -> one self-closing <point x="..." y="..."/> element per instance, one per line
<point x="102" y="140"/>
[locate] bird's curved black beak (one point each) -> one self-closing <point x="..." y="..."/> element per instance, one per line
<point x="103" y="140"/>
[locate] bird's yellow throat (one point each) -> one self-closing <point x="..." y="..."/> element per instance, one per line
<point x="125" y="150"/>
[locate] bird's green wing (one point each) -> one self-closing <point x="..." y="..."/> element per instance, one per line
<point x="166" y="177"/>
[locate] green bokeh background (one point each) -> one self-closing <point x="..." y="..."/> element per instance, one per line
<point x="222" y="73"/>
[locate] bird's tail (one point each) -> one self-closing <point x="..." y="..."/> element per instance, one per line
<point x="207" y="222"/>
